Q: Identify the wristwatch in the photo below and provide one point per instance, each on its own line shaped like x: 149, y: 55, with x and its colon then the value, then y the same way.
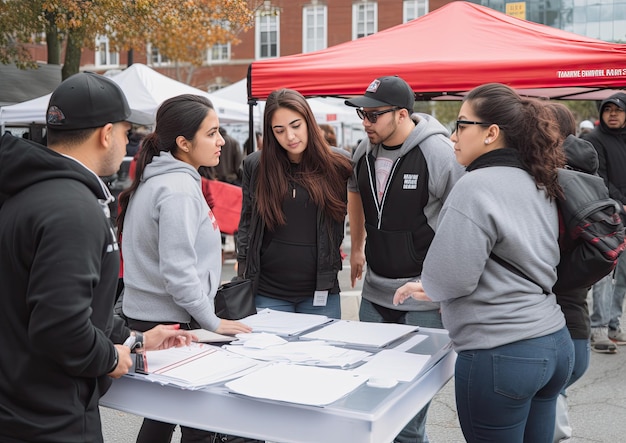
x: 134, y: 341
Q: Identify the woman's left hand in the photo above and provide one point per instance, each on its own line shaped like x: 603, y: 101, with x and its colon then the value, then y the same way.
x: 411, y: 289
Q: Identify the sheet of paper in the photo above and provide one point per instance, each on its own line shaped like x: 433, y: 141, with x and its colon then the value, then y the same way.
x: 307, y: 385
x: 389, y: 363
x: 283, y: 323
x: 358, y: 333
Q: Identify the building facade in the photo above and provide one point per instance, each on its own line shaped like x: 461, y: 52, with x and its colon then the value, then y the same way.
x: 286, y: 27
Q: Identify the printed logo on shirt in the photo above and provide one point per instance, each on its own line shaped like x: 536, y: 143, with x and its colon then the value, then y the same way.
x: 216, y: 227
x: 410, y: 181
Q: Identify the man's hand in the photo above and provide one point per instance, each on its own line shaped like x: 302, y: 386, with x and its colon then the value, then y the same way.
x: 124, y: 362
x: 357, y: 263
x: 167, y: 336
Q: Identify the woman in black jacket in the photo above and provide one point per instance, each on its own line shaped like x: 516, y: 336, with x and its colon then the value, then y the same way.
x: 293, y: 212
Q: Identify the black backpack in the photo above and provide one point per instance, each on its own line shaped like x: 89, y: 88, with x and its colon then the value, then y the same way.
x: 592, y: 235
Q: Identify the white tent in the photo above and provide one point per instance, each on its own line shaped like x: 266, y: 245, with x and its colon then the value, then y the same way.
x: 326, y: 110
x: 330, y: 110
x: 145, y: 90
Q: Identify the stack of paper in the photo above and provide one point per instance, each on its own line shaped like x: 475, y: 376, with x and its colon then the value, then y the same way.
x: 196, y: 366
x: 317, y: 353
x: 283, y: 323
x: 366, y: 334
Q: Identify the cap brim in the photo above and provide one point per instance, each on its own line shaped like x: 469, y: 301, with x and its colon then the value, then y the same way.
x: 140, y: 118
x: 365, y: 102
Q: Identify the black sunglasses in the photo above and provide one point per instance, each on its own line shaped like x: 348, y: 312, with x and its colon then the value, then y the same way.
x: 373, y: 116
x: 468, y: 122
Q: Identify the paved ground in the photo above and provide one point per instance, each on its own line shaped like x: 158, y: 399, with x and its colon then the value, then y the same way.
x: 597, y: 401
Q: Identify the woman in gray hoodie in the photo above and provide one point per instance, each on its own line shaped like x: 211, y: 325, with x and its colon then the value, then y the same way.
x: 515, y: 354
x: 171, y: 242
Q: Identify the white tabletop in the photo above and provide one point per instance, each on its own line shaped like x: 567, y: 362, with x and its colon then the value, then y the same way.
x: 368, y: 414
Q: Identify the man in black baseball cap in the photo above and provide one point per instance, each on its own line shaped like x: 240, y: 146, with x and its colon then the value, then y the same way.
x: 386, y: 91
x: 60, y: 344
x: 403, y: 170
x: 88, y: 100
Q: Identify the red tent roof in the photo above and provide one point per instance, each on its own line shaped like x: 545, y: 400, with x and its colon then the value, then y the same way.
x: 449, y: 51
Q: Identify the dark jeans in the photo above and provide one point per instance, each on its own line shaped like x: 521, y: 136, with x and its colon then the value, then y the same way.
x: 509, y: 393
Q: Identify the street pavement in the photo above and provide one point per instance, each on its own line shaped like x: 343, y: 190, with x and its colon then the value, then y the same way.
x: 597, y: 402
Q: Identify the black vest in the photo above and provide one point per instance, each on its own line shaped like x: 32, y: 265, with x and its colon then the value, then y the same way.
x: 398, y: 234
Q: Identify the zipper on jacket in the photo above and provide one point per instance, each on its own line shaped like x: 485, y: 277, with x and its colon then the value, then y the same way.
x: 379, y: 206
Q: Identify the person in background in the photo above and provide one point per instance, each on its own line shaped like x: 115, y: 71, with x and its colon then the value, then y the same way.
x: 60, y: 344
x: 228, y: 170
x: 329, y: 134
x: 258, y: 140
x: 581, y: 156
x: 585, y: 127
x: 170, y: 239
x: 515, y: 354
x: 403, y: 172
x: 293, y: 214
x: 609, y: 140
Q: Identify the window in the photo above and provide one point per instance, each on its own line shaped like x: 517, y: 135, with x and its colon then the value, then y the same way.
x: 267, y: 32
x: 104, y: 56
x: 314, y: 28
x: 412, y: 9
x: 218, y: 53
x: 364, y: 19
x: 155, y: 58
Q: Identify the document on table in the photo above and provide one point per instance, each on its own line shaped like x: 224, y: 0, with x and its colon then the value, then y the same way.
x: 316, y: 353
x: 195, y: 366
x: 283, y: 323
x: 306, y: 385
x: 398, y: 365
x: 358, y: 333
x: 205, y: 336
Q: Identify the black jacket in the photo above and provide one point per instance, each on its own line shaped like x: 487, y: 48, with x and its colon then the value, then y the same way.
x: 252, y: 227
x: 59, y: 263
x: 611, y: 147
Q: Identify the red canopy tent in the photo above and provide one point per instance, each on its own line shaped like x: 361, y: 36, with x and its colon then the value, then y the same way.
x: 450, y: 51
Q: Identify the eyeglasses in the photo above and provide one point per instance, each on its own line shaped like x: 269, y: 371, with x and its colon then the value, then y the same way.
x: 468, y: 122
x: 373, y: 116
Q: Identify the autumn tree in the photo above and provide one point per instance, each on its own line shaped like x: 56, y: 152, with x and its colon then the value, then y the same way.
x: 182, y: 30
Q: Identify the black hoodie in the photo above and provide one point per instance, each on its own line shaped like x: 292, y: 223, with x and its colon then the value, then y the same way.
x: 59, y: 263
x: 611, y: 147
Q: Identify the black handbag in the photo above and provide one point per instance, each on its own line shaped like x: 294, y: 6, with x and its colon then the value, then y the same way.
x: 235, y: 300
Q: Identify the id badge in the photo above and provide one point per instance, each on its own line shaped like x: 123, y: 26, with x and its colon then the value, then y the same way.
x: 320, y: 298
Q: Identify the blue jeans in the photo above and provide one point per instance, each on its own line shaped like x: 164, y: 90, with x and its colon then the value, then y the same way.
x: 415, y: 430
x: 608, y: 298
x: 331, y: 310
x: 509, y: 393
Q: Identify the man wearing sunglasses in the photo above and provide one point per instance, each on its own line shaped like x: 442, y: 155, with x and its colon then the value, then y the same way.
x: 403, y: 172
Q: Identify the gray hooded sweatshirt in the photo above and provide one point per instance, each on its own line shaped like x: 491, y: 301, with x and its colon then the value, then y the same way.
x: 171, y: 247
x: 443, y: 172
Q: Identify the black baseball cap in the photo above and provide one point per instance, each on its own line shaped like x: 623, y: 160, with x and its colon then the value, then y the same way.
x: 618, y: 99
x: 89, y: 100
x: 385, y: 91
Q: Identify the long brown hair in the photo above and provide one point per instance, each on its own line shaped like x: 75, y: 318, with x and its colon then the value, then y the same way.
x: 179, y: 115
x: 528, y: 126
x: 323, y: 172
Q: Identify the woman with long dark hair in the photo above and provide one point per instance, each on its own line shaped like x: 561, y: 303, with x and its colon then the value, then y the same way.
x: 293, y: 214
